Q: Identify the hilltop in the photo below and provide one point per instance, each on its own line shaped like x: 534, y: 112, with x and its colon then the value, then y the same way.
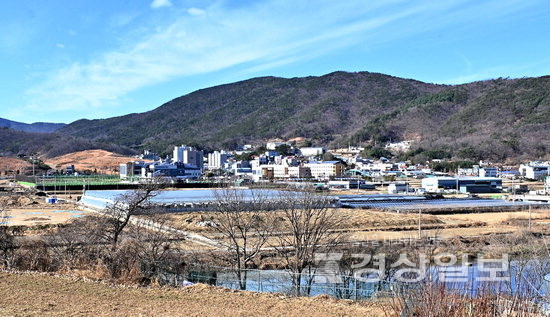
x: 43, y: 127
x: 44, y: 145
x: 496, y: 119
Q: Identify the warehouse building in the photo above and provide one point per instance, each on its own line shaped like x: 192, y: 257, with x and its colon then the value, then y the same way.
x: 463, y: 184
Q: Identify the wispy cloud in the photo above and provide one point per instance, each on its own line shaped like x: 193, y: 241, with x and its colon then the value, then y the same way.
x: 257, y: 37
x: 536, y: 68
x: 195, y: 11
x: 160, y: 4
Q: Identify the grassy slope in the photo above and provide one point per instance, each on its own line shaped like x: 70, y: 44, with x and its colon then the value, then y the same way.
x: 42, y: 295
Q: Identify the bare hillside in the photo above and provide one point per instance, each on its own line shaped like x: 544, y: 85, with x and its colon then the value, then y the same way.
x: 103, y: 161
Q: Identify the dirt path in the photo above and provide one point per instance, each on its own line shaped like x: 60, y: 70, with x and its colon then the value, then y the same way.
x: 42, y: 295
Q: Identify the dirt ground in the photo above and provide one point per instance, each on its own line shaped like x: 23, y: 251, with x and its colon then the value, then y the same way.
x: 100, y: 160
x: 31, y: 210
x: 24, y: 294
x: 41, y: 216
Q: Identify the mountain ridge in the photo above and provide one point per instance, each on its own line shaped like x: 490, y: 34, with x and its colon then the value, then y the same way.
x: 498, y: 119
x: 492, y: 119
x: 40, y: 127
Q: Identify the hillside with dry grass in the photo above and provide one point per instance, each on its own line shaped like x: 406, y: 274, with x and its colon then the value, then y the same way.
x: 102, y: 161
x: 10, y: 165
x: 46, y: 295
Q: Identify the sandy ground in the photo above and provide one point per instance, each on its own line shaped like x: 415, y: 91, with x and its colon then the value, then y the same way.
x: 43, y: 295
x: 100, y: 160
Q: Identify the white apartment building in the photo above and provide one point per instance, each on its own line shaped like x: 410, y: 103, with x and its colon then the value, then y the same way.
x: 217, y: 160
x: 312, y: 151
x: 188, y: 155
x: 535, y: 170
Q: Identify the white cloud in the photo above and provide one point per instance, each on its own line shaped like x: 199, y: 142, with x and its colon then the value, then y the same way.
x: 60, y: 45
x: 255, y: 38
x: 161, y: 4
x: 195, y: 11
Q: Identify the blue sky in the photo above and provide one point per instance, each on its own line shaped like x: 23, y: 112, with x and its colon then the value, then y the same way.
x: 65, y: 60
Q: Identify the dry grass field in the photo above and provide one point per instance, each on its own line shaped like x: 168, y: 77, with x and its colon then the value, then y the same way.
x: 24, y: 294
x: 366, y: 225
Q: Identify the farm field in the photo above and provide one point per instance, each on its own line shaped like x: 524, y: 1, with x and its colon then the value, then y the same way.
x: 365, y: 225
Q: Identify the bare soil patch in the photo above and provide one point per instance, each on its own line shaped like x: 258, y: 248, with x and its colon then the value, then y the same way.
x: 100, y: 160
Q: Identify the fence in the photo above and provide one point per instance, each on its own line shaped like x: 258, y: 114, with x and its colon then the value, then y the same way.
x: 276, y: 281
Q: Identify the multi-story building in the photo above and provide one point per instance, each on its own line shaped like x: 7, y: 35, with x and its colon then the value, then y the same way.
x: 488, y: 172
x: 312, y: 151
x: 217, y: 160
x: 171, y: 170
x: 188, y: 155
x: 131, y: 169
x: 325, y: 169
x: 535, y: 170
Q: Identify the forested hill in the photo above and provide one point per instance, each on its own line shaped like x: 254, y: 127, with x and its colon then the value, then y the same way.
x: 43, y: 127
x: 495, y: 119
x: 45, y: 145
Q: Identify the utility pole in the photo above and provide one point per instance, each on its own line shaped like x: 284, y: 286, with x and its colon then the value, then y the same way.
x: 419, y: 223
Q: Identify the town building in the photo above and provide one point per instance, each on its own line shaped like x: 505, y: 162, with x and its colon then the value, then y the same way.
x: 241, y: 168
x: 188, y: 155
x: 488, y: 172
x: 176, y: 170
x: 217, y: 160
x: 535, y: 170
x: 325, y: 169
x: 463, y: 184
x: 312, y: 151
x: 398, y: 188
x: 131, y: 169
x: 273, y: 145
x: 350, y: 184
x: 402, y: 146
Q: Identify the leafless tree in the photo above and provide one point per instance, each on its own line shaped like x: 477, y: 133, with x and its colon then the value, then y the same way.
x: 243, y: 218
x: 308, y: 226
x: 155, y: 249
x: 126, y: 206
x: 78, y: 243
x: 119, y: 216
